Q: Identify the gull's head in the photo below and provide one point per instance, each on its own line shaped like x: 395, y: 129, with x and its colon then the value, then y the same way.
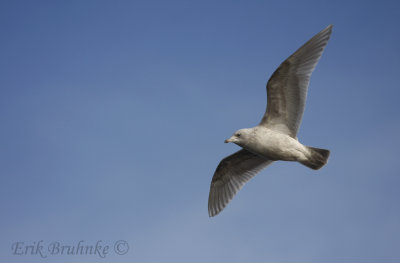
x: 239, y: 137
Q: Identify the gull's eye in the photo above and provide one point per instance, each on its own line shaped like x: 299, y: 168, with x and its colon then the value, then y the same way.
x: 238, y: 135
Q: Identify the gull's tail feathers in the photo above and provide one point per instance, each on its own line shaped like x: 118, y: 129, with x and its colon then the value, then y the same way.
x: 317, y: 159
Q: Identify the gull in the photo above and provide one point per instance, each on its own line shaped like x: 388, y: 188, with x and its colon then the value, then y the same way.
x: 275, y: 137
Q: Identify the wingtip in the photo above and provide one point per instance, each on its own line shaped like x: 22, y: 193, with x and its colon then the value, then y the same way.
x: 326, y: 32
x: 214, y: 208
x: 212, y: 213
x: 329, y: 28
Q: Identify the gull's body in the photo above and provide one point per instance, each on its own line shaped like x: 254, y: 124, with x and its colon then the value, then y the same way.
x: 275, y: 138
x: 273, y: 145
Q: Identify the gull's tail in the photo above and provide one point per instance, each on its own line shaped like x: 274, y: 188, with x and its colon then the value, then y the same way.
x: 317, y: 159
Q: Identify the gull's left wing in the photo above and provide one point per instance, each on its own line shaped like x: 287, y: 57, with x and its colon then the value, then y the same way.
x: 287, y: 87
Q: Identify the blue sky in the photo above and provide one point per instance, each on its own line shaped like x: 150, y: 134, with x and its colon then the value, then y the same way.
x: 114, y: 115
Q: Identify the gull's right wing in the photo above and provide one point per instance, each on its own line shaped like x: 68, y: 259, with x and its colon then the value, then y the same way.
x: 230, y: 176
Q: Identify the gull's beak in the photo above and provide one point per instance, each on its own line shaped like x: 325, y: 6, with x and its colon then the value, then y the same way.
x: 228, y: 140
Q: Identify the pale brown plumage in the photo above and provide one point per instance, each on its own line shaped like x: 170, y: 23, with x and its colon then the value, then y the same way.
x: 286, y: 96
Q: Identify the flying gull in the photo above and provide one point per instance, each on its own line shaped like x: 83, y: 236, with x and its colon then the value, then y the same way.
x: 274, y: 138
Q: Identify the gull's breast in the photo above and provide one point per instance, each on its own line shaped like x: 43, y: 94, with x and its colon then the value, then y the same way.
x: 276, y: 145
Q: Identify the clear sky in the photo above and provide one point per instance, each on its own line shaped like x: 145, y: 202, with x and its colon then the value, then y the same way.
x: 113, y: 116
